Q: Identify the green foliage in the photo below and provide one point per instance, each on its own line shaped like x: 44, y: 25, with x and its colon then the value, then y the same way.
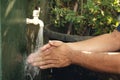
x: 97, y: 15
x: 63, y: 16
x: 102, y: 14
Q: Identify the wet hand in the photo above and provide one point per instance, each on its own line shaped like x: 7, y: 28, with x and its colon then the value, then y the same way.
x: 54, y: 54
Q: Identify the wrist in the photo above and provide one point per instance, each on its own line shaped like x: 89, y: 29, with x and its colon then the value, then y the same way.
x: 70, y: 51
x: 73, y: 52
x: 76, y: 55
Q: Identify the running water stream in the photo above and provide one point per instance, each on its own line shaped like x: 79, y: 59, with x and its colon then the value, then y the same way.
x: 30, y: 71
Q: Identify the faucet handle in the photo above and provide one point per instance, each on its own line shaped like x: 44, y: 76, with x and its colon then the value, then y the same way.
x: 36, y: 12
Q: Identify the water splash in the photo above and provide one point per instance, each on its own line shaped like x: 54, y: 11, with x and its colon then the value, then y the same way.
x: 30, y: 71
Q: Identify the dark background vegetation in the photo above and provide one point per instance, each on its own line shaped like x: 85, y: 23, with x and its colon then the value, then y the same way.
x: 79, y: 17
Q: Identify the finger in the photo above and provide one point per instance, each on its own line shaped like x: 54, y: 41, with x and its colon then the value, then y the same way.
x: 37, y: 59
x: 43, y: 63
x: 45, y: 47
x: 55, y: 43
x: 40, y: 58
x: 45, y: 53
x: 49, y: 57
x: 31, y: 57
x: 48, y: 66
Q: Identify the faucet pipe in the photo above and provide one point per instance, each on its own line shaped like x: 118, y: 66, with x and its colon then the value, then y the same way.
x: 37, y: 21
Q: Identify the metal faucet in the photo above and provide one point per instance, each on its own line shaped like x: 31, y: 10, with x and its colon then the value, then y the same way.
x: 35, y: 19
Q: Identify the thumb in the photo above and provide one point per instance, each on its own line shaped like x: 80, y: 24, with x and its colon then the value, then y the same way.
x: 55, y: 43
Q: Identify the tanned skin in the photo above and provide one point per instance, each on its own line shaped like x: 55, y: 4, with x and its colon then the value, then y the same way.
x: 97, y: 54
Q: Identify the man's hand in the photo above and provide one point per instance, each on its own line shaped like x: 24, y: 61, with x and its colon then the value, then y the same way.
x: 54, y: 54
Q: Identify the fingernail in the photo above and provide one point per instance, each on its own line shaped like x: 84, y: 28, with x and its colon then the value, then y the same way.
x: 41, y: 67
x: 50, y: 41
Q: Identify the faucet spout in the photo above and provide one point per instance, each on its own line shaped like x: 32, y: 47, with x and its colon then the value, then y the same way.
x: 35, y: 19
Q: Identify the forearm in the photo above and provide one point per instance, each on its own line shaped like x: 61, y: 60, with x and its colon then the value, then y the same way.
x: 106, y: 42
x: 105, y: 62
